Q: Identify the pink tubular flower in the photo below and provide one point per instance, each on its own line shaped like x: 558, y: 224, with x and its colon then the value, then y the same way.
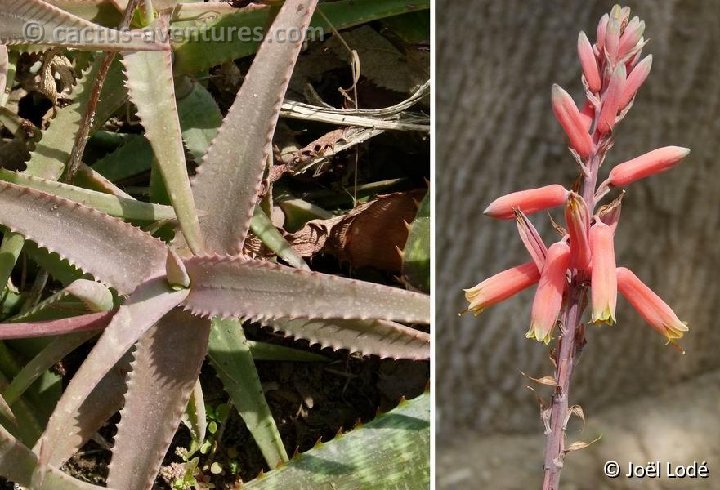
x: 604, y: 280
x: 650, y: 163
x: 548, y: 298
x: 589, y: 63
x: 635, y: 80
x: 528, y: 201
x: 653, y: 309
x: 501, y: 286
x: 577, y: 219
x: 611, y: 100
x: 568, y: 115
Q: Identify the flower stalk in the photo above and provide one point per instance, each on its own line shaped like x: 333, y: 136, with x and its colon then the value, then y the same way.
x: 581, y: 265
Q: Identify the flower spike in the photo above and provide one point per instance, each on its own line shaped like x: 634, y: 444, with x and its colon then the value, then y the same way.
x: 528, y: 201
x: 650, y: 163
x: 653, y: 309
x: 548, y: 298
x: 501, y: 286
x: 568, y: 115
x: 604, y: 281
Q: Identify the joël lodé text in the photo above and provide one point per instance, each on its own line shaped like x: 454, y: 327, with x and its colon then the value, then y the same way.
x: 660, y: 469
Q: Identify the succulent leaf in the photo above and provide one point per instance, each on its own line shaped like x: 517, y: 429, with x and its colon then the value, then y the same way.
x: 16, y: 15
x: 392, y: 451
x: 146, y: 306
x: 234, y: 163
x: 47, y: 328
x: 121, y: 207
x: 20, y: 465
x: 230, y: 355
x: 166, y: 365
x: 115, y: 252
x: 244, y: 288
x: 44, y: 360
x: 194, y: 54
x: 150, y: 86
x: 377, y: 337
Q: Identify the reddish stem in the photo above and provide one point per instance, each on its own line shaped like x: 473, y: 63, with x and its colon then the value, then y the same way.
x: 570, y: 336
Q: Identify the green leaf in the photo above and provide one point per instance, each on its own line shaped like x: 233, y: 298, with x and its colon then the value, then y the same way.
x: 122, y: 207
x: 134, y: 157
x: 392, y: 451
x: 201, y: 51
x: 416, y: 256
x: 53, y: 151
x: 230, y: 355
x: 44, y: 360
x: 199, y: 115
x: 150, y: 86
x: 264, y: 351
x: 266, y: 231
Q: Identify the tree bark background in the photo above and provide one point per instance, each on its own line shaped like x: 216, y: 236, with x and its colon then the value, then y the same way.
x: 496, y: 62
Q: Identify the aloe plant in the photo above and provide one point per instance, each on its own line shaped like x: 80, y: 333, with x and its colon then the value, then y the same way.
x: 171, y: 296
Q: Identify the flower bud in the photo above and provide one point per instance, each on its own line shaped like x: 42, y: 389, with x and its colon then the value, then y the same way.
x: 501, y: 286
x: 604, y: 280
x: 631, y: 36
x: 577, y: 219
x: 589, y: 63
x: 650, y: 163
x: 587, y: 114
x: 548, y: 298
x: 653, y: 309
x: 568, y: 115
x: 612, y: 40
x: 602, y: 32
x: 528, y: 201
x: 611, y: 100
x: 635, y: 80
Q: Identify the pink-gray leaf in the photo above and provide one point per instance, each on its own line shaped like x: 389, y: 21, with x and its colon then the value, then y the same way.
x: 146, y: 306
x: 63, y: 326
x: 236, y: 287
x: 167, y: 363
x: 37, y: 22
x: 228, y: 181
x: 20, y: 465
x: 379, y: 337
x: 103, y: 402
x: 113, y: 251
